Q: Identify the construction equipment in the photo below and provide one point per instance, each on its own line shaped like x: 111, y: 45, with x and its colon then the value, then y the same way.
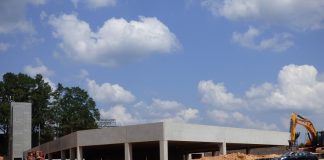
x: 35, y: 155
x: 315, y: 142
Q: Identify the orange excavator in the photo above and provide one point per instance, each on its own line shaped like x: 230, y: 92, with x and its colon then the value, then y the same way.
x: 315, y: 141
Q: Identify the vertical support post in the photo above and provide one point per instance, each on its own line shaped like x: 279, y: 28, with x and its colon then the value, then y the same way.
x: 247, y: 150
x: 222, y: 148
x: 72, y: 154
x: 163, y: 150
x: 128, y: 151
x: 214, y: 153
x: 63, y: 155
x: 79, y: 153
x: 49, y: 156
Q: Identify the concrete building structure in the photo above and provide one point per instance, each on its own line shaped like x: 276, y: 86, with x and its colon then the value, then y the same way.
x: 20, y: 129
x: 164, y: 141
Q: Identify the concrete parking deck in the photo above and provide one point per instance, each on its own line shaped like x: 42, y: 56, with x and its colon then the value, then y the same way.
x: 162, y: 141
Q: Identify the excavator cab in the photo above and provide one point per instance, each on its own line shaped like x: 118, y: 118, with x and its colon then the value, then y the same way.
x: 315, y: 142
x: 320, y: 139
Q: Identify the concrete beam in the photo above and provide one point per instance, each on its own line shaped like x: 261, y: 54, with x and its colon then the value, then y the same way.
x: 79, y: 153
x: 222, y: 148
x: 164, y: 150
x: 128, y: 151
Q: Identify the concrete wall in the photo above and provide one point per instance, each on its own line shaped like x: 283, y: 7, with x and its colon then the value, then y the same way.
x: 165, y: 132
x: 203, y: 133
x: 21, y: 116
x: 115, y: 135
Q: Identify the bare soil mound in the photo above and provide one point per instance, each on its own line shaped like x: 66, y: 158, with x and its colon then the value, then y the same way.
x: 239, y: 156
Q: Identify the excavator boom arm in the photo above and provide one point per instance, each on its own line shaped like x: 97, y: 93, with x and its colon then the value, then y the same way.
x: 297, y: 119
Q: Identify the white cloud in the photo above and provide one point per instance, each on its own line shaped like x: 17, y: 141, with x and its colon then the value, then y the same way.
x: 277, y: 43
x: 93, y: 4
x: 235, y: 118
x: 217, y: 96
x: 37, y: 2
x: 298, y: 88
x: 260, y: 91
x: 115, y: 42
x: 75, y: 3
x: 183, y: 116
x: 109, y: 93
x: 119, y: 113
x: 165, y: 104
x: 188, y: 114
x: 13, y: 15
x: 248, y: 122
x: 43, y: 15
x: 100, y: 3
x: 40, y: 68
x: 218, y: 116
x: 83, y: 74
x: 4, y: 47
x: 165, y: 110
x: 299, y: 14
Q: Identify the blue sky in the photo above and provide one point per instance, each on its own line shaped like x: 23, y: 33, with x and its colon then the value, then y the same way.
x: 218, y: 62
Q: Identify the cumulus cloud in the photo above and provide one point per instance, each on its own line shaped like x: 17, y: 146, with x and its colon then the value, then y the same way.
x: 13, y: 15
x: 298, y: 14
x: 277, y: 43
x: 83, y: 74
x: 165, y: 104
x: 120, y: 114
x: 159, y: 110
x: 42, y: 69
x: 95, y: 3
x: 165, y: 110
x: 216, y: 95
x: 234, y: 118
x: 37, y: 2
x: 109, y: 93
x: 100, y: 3
x: 4, y: 46
x: 298, y: 87
x: 117, y: 41
x: 38, y: 69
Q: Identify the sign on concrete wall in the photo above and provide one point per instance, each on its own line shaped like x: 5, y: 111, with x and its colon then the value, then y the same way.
x: 21, y: 123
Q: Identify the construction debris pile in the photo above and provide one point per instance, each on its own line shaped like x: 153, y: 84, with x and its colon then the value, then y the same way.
x: 240, y: 156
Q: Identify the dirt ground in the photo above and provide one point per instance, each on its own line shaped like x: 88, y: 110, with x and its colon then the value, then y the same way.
x: 239, y: 156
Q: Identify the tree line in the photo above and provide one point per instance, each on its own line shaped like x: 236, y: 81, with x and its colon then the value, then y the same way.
x: 55, y: 113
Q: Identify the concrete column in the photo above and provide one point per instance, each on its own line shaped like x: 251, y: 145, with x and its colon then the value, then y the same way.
x: 222, y: 148
x: 128, y: 151
x: 164, y: 150
x: 49, y: 156
x: 72, y: 154
x: 63, y: 155
x: 188, y: 156
x: 79, y: 153
x: 247, y: 150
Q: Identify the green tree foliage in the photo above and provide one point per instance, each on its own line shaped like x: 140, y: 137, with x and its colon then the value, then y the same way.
x: 56, y: 113
x: 73, y: 110
x: 22, y: 88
